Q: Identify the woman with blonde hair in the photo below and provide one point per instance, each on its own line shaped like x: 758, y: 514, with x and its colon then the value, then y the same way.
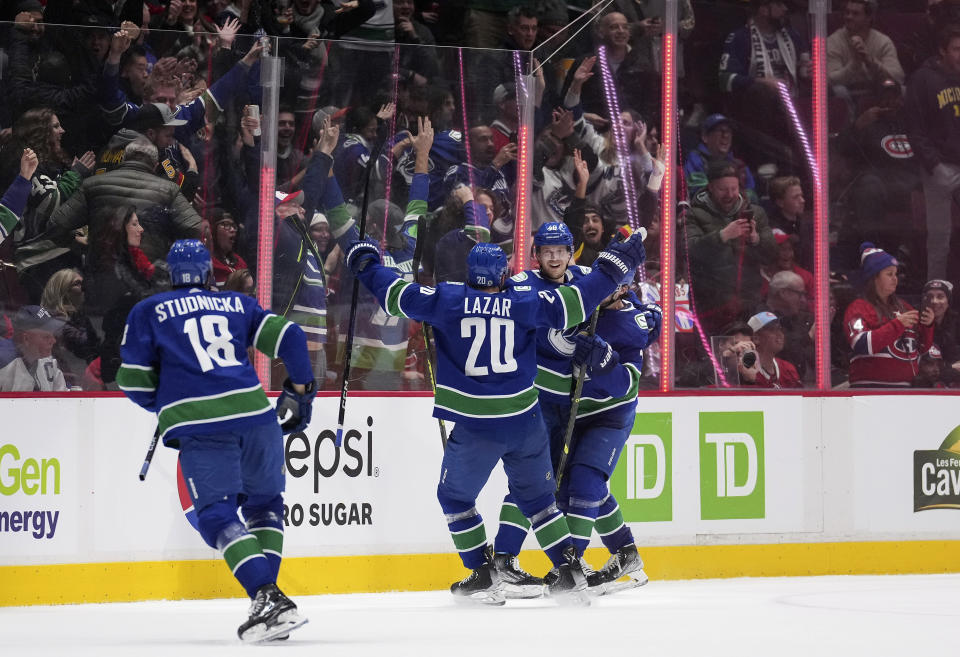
x: 78, y: 342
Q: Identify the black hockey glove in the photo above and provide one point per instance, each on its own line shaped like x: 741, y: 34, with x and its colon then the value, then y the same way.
x: 293, y: 409
x: 362, y: 253
x: 621, y: 257
x: 595, y: 353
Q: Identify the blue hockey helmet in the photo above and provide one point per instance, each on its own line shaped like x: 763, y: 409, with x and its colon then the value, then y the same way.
x: 486, y: 265
x: 553, y: 233
x: 189, y: 263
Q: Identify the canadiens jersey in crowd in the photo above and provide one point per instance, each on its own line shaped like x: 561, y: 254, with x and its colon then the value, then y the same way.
x: 554, y: 346
x: 885, y: 352
x: 185, y: 358
x: 485, y: 342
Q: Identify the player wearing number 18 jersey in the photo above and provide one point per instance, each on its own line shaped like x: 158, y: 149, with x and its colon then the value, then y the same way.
x: 486, y: 366
x: 185, y: 358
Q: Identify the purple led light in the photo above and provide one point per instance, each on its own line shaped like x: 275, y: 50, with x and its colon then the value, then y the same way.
x: 619, y: 136
x: 801, y: 133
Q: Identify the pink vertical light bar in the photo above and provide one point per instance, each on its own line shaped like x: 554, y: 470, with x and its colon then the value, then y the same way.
x: 521, y: 218
x: 668, y: 135
x: 463, y: 113
x: 821, y: 258
x: 389, y: 148
x: 268, y: 177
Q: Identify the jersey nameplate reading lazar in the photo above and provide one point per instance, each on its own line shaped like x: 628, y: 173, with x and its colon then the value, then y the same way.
x: 185, y: 305
x: 492, y: 305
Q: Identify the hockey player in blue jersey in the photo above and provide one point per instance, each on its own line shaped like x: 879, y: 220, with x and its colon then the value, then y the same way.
x: 185, y: 358
x: 553, y: 244
x: 553, y: 248
x: 486, y: 366
x: 605, y: 416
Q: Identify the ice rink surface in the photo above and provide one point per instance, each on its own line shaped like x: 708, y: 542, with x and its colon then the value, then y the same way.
x: 901, y: 616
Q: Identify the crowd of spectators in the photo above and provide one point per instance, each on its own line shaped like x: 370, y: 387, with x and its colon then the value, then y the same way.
x: 127, y: 124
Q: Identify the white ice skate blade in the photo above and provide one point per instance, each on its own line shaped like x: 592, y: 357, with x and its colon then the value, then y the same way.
x: 286, y: 623
x: 528, y: 592
x: 634, y: 580
x: 485, y: 598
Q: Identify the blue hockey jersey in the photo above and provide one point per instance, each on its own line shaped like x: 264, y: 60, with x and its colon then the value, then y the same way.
x: 554, y: 346
x: 626, y: 331
x: 486, y: 343
x: 184, y: 357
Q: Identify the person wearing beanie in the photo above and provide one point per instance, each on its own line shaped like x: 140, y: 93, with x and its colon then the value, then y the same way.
x: 937, y: 295
x: 886, y: 334
x: 223, y: 246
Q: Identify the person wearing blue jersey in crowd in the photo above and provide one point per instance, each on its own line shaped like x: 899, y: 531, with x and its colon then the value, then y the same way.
x: 486, y: 366
x: 380, y: 340
x: 613, y: 359
x: 185, y: 358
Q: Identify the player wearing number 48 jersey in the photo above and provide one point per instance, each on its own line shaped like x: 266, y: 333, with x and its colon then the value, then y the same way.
x: 185, y: 358
x: 486, y: 366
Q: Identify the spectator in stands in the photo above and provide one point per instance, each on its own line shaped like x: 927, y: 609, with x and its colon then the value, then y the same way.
x: 729, y: 239
x: 289, y: 157
x: 770, y: 371
x: 786, y: 261
x: 364, y: 130
x: 886, y: 334
x: 488, y: 169
x: 716, y: 142
x: 764, y: 53
x: 166, y: 213
x: 54, y: 180
x: 634, y: 74
x: 419, y: 65
x: 937, y: 295
x: 452, y: 248
x: 223, y: 246
x: 591, y: 231
x: 756, y: 60
x: 887, y: 173
x: 858, y: 56
x: 788, y: 300
x: 933, y: 124
x: 931, y: 370
x: 35, y: 369
x: 14, y: 199
x: 78, y: 343
x: 241, y: 281
x: 118, y: 267
x: 485, y: 22
x: 787, y: 214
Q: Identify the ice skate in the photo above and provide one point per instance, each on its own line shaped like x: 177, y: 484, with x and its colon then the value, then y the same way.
x: 272, y: 616
x: 482, y: 586
x: 568, y: 583
x: 517, y: 583
x: 623, y: 571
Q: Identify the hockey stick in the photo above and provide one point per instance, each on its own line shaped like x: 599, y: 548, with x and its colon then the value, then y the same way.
x: 150, y: 450
x: 354, y: 296
x: 427, y: 330
x: 619, y: 236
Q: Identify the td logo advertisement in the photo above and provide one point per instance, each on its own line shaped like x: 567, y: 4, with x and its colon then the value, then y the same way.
x: 732, y: 477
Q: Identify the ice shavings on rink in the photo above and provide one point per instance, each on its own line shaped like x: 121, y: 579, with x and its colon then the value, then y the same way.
x: 789, y: 617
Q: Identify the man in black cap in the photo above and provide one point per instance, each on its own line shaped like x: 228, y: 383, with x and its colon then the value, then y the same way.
x: 35, y: 369
x: 729, y: 239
